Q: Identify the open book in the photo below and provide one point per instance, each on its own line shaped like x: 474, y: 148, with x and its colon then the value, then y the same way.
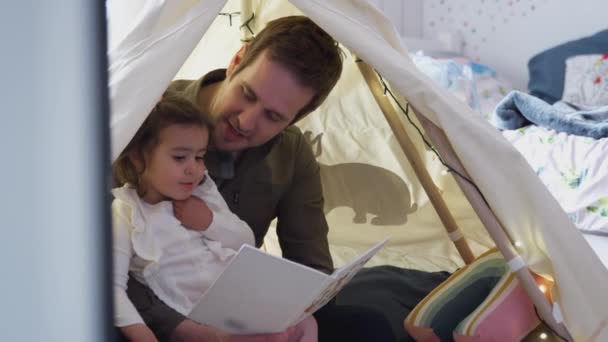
x: 262, y: 293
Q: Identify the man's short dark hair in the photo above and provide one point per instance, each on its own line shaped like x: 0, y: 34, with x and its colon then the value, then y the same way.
x: 303, y: 48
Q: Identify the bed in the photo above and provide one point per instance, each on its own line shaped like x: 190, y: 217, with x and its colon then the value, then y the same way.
x: 573, y: 167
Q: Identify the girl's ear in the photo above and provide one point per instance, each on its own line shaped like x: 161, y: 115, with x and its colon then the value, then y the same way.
x: 137, y: 159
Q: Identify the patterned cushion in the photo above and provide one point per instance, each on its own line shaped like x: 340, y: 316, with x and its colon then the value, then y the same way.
x: 547, y: 69
x: 586, y: 80
x: 473, y: 305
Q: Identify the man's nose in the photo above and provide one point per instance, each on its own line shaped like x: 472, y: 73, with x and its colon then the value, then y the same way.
x: 247, y: 119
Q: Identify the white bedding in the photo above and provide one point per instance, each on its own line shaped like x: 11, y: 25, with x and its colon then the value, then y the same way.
x: 574, y: 168
x: 600, y: 246
x: 475, y: 84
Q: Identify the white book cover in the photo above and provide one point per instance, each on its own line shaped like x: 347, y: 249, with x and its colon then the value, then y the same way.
x: 261, y: 293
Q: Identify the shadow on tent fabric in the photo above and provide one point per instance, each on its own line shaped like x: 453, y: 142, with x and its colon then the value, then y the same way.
x: 365, y: 188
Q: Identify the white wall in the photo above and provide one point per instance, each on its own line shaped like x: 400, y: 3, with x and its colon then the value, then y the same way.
x: 406, y: 15
x: 503, y: 34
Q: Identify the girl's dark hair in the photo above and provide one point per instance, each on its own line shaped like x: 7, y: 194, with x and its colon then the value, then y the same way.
x: 170, y: 110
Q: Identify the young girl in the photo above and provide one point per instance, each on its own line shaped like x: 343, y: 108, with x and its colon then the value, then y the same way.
x: 164, y: 163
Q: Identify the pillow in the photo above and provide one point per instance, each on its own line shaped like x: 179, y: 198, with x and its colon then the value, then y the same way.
x: 586, y: 80
x: 547, y: 69
x: 481, y: 302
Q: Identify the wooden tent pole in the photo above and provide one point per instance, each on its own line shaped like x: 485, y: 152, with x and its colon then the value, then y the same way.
x: 416, y: 162
x: 245, y: 15
x: 491, y: 223
x: 486, y: 215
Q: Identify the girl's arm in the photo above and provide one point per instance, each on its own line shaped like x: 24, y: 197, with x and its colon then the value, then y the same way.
x: 125, y: 313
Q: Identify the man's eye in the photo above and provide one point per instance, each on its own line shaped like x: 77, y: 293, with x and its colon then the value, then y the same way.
x: 273, y: 117
x: 248, y: 96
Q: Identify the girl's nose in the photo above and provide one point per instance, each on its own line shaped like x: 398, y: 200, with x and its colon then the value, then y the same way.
x: 191, y: 168
x: 195, y: 168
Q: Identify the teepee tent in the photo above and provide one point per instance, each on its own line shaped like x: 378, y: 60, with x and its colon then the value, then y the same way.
x: 371, y: 189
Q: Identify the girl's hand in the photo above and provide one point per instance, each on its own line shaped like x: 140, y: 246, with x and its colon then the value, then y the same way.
x: 305, y: 331
x: 138, y: 333
x: 193, y: 213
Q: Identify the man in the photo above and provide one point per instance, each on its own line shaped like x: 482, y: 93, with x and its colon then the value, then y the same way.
x: 265, y: 169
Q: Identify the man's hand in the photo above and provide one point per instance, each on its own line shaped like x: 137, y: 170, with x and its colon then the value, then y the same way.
x: 190, y: 331
x: 193, y: 213
x: 138, y: 333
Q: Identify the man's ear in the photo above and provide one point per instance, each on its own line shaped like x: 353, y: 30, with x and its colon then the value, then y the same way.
x: 236, y: 60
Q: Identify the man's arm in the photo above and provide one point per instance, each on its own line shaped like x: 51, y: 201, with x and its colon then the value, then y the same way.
x: 166, y: 323
x: 302, y: 228
x: 157, y: 315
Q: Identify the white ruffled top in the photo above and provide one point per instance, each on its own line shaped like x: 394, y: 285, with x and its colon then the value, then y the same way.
x: 178, y: 264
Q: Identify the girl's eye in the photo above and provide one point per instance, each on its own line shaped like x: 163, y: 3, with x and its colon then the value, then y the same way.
x: 179, y: 158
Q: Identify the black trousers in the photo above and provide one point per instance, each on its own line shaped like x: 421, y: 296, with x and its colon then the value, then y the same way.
x: 352, y: 323
x: 392, y: 291
x: 343, y: 323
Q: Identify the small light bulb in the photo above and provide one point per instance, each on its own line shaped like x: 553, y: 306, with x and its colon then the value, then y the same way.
x: 542, y: 288
x: 543, y: 336
x: 444, y: 172
x: 518, y: 244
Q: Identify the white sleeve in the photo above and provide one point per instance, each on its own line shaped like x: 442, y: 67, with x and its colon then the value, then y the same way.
x: 225, y: 226
x: 124, y: 311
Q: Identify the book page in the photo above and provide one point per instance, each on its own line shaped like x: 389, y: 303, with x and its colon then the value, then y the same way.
x: 257, y: 293
x: 340, y: 278
x: 262, y: 293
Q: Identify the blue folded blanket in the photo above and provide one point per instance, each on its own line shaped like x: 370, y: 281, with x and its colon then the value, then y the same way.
x: 518, y: 109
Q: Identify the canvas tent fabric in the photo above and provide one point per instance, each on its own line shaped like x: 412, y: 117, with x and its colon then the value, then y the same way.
x: 147, y: 54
